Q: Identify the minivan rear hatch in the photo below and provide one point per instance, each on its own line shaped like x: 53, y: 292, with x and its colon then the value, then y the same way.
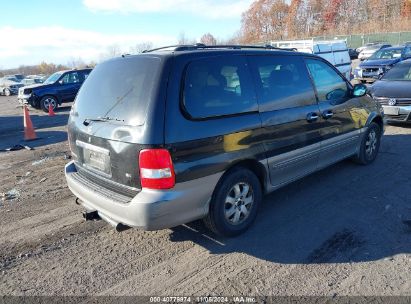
x: 107, y: 126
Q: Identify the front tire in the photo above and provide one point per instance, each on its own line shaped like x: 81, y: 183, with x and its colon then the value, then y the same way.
x: 370, y: 145
x: 46, y: 101
x: 7, y: 92
x: 234, y: 204
x: 35, y: 104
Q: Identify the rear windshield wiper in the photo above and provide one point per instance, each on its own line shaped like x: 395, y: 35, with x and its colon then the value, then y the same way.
x: 87, y: 121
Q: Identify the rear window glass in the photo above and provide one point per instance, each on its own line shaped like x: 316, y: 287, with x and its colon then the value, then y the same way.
x: 119, y: 89
x: 218, y: 86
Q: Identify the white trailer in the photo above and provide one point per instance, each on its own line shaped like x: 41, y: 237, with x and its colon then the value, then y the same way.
x: 335, y: 51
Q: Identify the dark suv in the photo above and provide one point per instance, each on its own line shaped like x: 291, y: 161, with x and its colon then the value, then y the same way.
x: 381, y: 62
x: 188, y: 132
x: 58, y: 88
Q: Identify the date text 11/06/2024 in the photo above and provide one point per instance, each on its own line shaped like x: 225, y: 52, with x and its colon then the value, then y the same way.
x: 206, y: 299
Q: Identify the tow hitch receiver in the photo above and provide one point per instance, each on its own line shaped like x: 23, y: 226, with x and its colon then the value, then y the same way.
x: 91, y: 216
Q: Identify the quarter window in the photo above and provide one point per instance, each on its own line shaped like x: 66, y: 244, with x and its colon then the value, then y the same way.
x: 282, y: 82
x: 330, y: 86
x: 218, y: 86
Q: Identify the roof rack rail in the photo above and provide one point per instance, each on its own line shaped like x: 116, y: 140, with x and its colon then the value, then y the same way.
x: 199, y: 46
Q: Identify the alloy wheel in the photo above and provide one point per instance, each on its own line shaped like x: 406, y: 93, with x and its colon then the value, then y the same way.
x: 238, y: 203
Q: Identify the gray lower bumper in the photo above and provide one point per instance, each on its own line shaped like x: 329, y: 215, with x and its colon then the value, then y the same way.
x: 401, y: 113
x: 149, y: 209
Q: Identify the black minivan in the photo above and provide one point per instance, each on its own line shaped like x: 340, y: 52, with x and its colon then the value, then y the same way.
x: 182, y: 133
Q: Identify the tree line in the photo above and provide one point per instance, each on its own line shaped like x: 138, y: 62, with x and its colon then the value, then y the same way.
x: 267, y: 20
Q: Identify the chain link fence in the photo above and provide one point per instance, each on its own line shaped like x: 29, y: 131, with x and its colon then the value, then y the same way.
x: 355, y: 41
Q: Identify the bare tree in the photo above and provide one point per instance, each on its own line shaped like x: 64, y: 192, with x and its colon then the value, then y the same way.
x: 76, y: 63
x: 183, y: 39
x: 111, y: 51
x: 142, y: 46
x: 208, y: 39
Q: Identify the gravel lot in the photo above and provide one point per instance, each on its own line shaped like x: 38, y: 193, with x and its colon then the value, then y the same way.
x: 340, y: 231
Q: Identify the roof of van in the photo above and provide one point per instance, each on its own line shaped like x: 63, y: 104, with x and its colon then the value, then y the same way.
x: 201, y: 46
x: 218, y: 49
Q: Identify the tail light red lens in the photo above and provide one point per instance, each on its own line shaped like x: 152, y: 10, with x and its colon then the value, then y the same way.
x: 156, y: 169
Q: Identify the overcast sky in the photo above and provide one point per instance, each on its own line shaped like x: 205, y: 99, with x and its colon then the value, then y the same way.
x: 58, y: 31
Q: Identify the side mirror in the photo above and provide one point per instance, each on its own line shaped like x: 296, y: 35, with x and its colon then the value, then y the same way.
x: 359, y: 90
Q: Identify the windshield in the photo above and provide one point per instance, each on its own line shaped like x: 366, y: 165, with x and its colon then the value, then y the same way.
x: 53, y: 78
x: 119, y: 90
x: 386, y: 54
x: 398, y: 72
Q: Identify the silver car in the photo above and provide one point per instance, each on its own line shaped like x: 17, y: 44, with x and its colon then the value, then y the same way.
x: 9, y: 87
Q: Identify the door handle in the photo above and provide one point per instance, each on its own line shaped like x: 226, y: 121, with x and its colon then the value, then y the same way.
x: 327, y: 114
x: 312, y: 117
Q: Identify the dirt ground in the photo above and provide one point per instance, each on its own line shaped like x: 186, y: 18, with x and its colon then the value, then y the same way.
x: 341, y: 231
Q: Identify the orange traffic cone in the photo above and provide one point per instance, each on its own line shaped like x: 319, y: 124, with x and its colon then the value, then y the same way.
x: 29, y: 133
x: 51, y: 111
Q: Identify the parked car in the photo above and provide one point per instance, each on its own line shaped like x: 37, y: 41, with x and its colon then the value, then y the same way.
x: 29, y: 81
x: 393, y: 92
x: 353, y: 53
x: 181, y: 133
x: 380, y: 62
x: 11, y: 78
x: 9, y: 87
x: 370, y: 50
x: 335, y: 51
x: 58, y: 88
x: 361, y: 48
x: 19, y: 77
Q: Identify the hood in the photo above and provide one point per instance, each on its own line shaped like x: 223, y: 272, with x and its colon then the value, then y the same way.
x: 378, y: 62
x: 38, y: 85
x: 391, y: 89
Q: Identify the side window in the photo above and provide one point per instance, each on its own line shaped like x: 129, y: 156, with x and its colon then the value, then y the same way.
x: 71, y: 77
x: 282, y: 82
x: 407, y: 52
x: 330, y: 86
x: 84, y: 76
x: 218, y: 86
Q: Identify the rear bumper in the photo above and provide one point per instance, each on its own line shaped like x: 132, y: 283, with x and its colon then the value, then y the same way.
x: 149, y: 209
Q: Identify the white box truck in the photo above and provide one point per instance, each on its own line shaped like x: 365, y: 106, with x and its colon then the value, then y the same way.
x: 335, y: 51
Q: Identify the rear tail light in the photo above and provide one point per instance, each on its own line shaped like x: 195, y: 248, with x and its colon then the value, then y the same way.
x: 156, y: 169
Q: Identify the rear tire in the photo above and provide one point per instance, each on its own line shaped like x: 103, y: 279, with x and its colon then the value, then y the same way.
x: 7, y: 92
x: 46, y: 101
x: 370, y: 145
x: 234, y: 204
